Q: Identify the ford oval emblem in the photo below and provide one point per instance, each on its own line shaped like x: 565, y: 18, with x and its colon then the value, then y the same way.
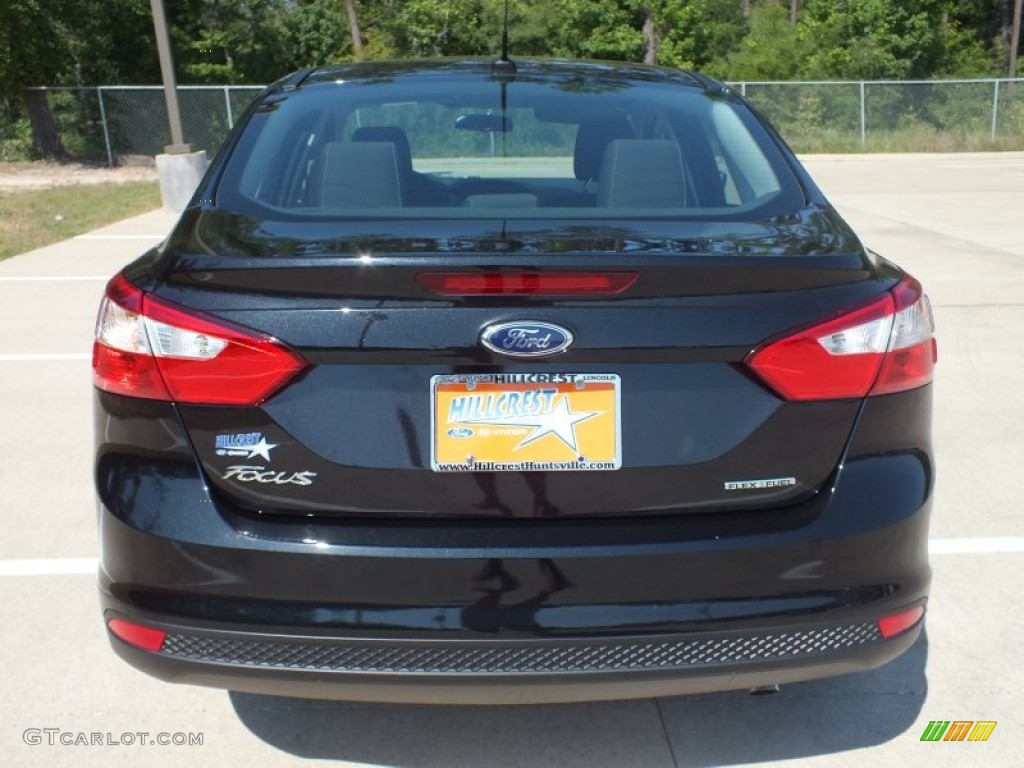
x: 526, y: 339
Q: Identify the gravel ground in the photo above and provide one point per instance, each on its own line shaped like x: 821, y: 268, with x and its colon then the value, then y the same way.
x: 42, y: 175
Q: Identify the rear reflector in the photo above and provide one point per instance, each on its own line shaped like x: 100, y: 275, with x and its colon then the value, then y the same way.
x: 526, y: 283
x: 149, y: 348
x: 146, y: 638
x: 898, y: 623
x: 884, y: 347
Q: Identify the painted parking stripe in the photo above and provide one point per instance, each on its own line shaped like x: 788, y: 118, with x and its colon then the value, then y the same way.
x: 119, y: 237
x: 46, y: 358
x: 48, y: 566
x: 59, y: 279
x: 976, y: 546
x: 63, y: 566
x: 978, y: 166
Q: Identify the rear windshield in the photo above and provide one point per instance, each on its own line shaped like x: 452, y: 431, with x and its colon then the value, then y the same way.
x: 459, y: 146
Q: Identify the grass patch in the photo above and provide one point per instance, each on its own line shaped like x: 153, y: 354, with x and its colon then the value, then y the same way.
x: 913, y: 139
x: 30, y: 219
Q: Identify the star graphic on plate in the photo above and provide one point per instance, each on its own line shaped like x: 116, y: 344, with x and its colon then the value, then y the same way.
x: 560, y: 421
x: 262, y: 448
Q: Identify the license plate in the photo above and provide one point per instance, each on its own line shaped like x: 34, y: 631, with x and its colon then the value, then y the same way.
x: 525, y: 422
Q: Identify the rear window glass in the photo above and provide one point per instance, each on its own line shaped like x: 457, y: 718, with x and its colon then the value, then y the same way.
x: 460, y: 146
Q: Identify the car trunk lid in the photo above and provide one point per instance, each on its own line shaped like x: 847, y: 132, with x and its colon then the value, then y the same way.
x: 365, y: 430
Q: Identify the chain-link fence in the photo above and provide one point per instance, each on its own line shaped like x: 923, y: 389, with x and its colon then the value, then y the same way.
x: 894, y: 116
x: 113, y: 123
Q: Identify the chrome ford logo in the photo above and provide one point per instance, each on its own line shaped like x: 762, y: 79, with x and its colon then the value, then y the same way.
x: 526, y: 339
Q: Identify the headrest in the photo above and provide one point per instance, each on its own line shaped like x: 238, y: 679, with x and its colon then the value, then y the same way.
x: 392, y: 133
x: 363, y: 175
x: 591, y: 139
x: 642, y: 173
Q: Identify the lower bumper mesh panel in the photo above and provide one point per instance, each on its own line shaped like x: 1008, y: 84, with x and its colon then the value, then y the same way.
x: 508, y: 658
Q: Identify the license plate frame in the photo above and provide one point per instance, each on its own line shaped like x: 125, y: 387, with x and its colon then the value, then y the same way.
x: 525, y: 422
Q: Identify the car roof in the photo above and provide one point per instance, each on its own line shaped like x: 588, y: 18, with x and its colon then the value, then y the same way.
x: 528, y: 69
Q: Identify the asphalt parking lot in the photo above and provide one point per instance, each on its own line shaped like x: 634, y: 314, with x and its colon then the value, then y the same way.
x: 954, y: 221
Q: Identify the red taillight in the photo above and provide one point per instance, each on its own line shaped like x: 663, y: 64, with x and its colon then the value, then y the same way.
x: 148, y: 348
x: 898, y: 623
x: 912, y: 354
x: 882, y: 348
x: 146, y: 638
x: 526, y: 283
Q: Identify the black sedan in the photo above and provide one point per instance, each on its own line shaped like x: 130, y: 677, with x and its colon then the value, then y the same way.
x: 473, y: 381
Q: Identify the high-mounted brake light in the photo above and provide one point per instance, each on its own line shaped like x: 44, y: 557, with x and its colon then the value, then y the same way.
x: 884, y: 347
x: 148, y: 348
x: 526, y: 283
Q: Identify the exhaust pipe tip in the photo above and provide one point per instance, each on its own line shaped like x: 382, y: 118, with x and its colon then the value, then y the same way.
x: 765, y: 690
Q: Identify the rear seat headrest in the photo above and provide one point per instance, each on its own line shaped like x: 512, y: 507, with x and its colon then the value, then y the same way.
x: 360, y: 175
x: 642, y: 173
x: 592, y: 137
x: 392, y: 133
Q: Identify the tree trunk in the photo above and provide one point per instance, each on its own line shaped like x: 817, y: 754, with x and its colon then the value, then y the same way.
x: 794, y: 6
x: 44, y: 130
x: 651, y: 39
x: 746, y: 8
x: 353, y: 26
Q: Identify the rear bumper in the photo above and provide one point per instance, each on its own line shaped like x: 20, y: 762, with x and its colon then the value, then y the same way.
x: 458, y: 624
x: 501, y: 672
x: 516, y: 610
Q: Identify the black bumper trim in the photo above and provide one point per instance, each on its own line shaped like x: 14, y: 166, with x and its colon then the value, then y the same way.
x: 807, y: 659
x: 537, y: 657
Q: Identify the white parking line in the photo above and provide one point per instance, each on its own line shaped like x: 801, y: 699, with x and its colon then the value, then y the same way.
x: 976, y: 546
x: 978, y: 166
x: 63, y: 566
x: 119, y: 237
x: 46, y: 358
x: 48, y: 566
x: 63, y: 279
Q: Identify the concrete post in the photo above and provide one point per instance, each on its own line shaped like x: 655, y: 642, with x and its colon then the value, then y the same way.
x: 163, y: 47
x: 179, y: 176
x: 179, y: 169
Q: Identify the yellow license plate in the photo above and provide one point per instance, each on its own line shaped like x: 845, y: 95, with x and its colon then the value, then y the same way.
x: 525, y: 422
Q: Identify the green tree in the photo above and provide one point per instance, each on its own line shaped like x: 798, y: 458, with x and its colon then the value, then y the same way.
x: 316, y: 34
x: 89, y: 42
x: 697, y: 34
x: 73, y: 42
x: 597, y: 29
x: 67, y: 42
x: 876, y: 39
x: 772, y: 49
x: 229, y: 41
x: 427, y: 28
